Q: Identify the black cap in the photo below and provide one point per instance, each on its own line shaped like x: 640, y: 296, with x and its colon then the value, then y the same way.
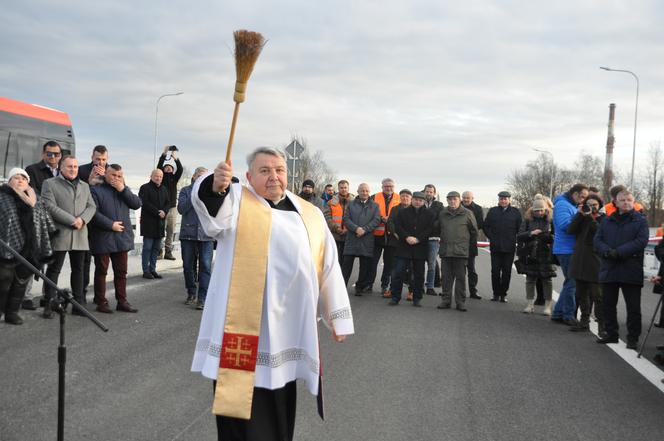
x: 406, y: 191
x: 504, y: 194
x: 308, y: 183
x: 419, y: 195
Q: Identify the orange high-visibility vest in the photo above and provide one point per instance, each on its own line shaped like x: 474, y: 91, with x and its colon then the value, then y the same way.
x: 610, y: 208
x: 379, y: 198
x: 336, y: 210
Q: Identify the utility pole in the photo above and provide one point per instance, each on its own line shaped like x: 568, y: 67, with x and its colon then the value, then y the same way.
x: 607, y: 182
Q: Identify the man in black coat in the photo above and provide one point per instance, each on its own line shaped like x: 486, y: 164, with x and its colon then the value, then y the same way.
x: 433, y: 267
x: 620, y: 241
x: 170, y: 164
x: 501, y: 226
x: 467, y: 202
x: 155, y: 199
x: 46, y: 168
x: 413, y: 226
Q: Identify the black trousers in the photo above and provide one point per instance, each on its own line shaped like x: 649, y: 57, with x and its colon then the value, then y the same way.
x: 399, y: 276
x: 363, y: 278
x: 587, y: 294
x: 340, y: 250
x: 272, y: 417
x: 632, y: 296
x: 76, y: 262
x: 472, y: 275
x: 380, y: 248
x: 13, y: 284
x: 501, y: 272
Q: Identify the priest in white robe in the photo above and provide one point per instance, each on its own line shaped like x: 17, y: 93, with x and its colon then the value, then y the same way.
x: 299, y: 279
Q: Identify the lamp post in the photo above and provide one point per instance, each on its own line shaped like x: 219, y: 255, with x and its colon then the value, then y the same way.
x: 553, y: 167
x: 156, y: 116
x: 636, y: 112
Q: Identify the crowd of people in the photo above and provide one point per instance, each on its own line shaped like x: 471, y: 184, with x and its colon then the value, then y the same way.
x: 55, y: 208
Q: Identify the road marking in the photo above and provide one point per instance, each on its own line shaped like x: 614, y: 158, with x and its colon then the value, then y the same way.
x: 643, y: 366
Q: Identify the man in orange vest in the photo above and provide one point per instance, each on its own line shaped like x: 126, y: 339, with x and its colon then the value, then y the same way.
x: 334, y: 213
x: 610, y: 208
x: 386, y: 200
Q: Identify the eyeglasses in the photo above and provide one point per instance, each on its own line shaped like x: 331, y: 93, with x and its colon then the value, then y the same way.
x: 53, y: 154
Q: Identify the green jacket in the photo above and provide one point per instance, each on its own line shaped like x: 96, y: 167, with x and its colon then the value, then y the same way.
x: 457, y: 229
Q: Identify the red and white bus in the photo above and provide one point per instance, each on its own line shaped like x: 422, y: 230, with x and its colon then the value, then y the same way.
x: 25, y: 128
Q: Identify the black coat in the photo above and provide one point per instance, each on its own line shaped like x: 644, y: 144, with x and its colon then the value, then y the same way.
x: 501, y: 227
x: 391, y: 238
x: 478, y: 212
x: 38, y: 172
x: 412, y: 222
x: 585, y: 262
x: 154, y: 199
x: 170, y: 180
x: 436, y: 207
x: 536, y: 251
x: 112, y: 206
x: 628, y: 235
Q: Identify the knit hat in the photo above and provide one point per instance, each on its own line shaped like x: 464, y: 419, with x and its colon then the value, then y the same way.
x: 18, y: 171
x: 539, y: 203
x: 308, y: 183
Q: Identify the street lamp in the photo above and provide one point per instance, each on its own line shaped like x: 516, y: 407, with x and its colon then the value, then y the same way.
x: 636, y: 112
x: 156, y: 115
x: 553, y: 167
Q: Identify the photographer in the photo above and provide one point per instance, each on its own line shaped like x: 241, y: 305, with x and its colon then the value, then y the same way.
x: 534, y: 252
x: 172, y: 168
x: 584, y: 266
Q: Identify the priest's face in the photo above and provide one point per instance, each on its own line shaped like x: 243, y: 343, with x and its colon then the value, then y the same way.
x: 268, y: 176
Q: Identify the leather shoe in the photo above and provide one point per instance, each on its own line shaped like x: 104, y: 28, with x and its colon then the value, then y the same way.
x: 461, y: 308
x: 148, y: 276
x: 13, y: 318
x: 570, y: 322
x: 156, y: 275
x: 104, y: 308
x: 475, y: 296
x: 606, y: 339
x: 27, y: 304
x: 494, y: 298
x: 503, y: 299
x: 442, y: 306
x: 125, y: 307
x: 431, y: 292
x: 393, y: 302
x: 169, y: 256
x: 632, y: 344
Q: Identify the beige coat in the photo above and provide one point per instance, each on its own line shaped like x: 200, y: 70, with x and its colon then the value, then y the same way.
x: 66, y: 201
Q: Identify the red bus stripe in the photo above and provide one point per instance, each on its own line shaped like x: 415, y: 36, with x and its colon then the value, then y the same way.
x: 33, y: 111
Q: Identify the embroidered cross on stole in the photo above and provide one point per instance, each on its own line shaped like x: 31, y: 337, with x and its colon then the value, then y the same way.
x: 239, y: 350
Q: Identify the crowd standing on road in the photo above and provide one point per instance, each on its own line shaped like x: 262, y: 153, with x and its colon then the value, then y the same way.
x: 55, y: 208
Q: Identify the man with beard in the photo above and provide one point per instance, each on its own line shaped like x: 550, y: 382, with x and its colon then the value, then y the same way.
x: 433, y: 268
x: 334, y: 215
x: 308, y: 194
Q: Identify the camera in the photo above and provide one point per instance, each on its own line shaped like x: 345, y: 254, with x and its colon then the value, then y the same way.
x: 172, y: 148
x: 585, y: 208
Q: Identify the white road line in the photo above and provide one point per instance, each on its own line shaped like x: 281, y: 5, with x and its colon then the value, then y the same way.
x: 643, y: 366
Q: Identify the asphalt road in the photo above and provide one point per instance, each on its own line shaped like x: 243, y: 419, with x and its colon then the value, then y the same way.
x: 492, y: 373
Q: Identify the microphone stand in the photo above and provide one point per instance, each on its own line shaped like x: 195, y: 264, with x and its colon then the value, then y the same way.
x: 59, y: 305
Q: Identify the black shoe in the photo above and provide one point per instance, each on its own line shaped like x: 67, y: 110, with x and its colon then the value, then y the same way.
x: 539, y: 302
x: 13, y: 318
x: 631, y: 344
x: 28, y: 305
x: 169, y: 256
x: 606, y: 339
x: 156, y: 275
x: 393, y: 302
x: 48, y: 312
x: 417, y: 304
x: 475, y: 296
x: 580, y: 327
x: 557, y: 319
x: 125, y: 307
x: 443, y: 306
x: 431, y: 292
x: 148, y: 276
x: 503, y: 299
x: 494, y: 298
x: 461, y: 308
x: 570, y: 322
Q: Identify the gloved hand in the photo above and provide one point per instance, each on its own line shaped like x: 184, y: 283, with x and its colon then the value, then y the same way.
x: 612, y: 254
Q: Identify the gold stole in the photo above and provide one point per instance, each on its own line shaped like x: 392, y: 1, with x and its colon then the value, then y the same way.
x: 239, y: 350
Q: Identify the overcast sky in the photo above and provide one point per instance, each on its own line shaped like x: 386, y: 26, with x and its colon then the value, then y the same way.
x: 450, y: 93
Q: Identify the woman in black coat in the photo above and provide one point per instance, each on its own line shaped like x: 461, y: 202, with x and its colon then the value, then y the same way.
x: 584, y: 266
x: 534, y: 252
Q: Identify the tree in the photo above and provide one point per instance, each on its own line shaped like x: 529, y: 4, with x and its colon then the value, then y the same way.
x: 311, y: 165
x: 653, y: 183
